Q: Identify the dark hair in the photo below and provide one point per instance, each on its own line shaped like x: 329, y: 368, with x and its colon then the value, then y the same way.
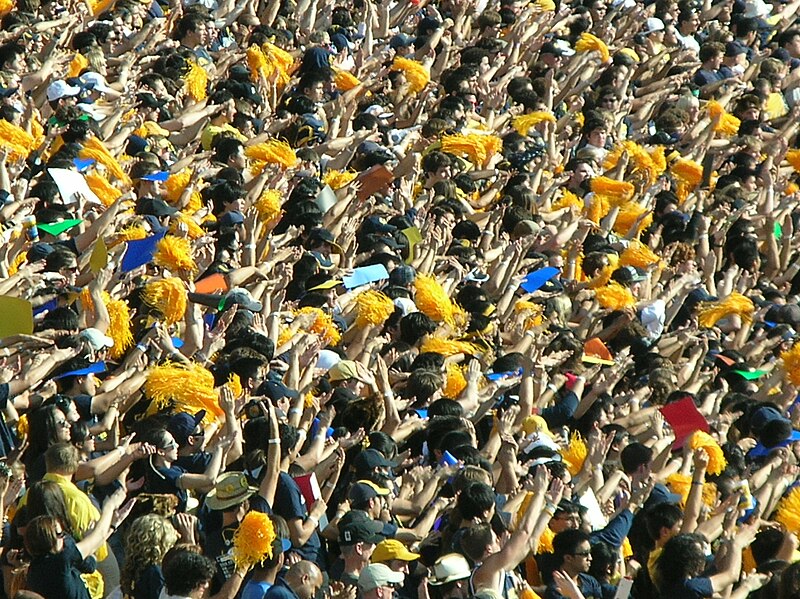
x: 45, y: 498
x: 185, y: 571
x: 423, y: 384
x: 766, y: 545
x: 414, y: 326
x: 681, y: 559
x: 567, y: 543
x: 40, y: 535
x: 475, y: 500
x: 663, y: 515
x: 634, y: 456
x: 225, y: 147
x: 603, y: 557
x: 42, y: 430
x: 475, y: 540
x: 444, y: 406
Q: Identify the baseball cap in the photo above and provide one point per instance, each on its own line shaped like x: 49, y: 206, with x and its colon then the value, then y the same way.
x: 661, y: 494
x: 95, y: 81
x: 369, y: 459
x: 231, y: 219
x: 156, y: 207
x: 401, y: 40
x: 61, y: 89
x: 390, y: 549
x: 348, y: 369
x: 734, y: 49
x: 241, y: 297
x: 182, y: 425
x: 321, y: 234
x: 654, y: 24
x: 449, y: 568
x: 364, y: 490
x: 402, y: 275
x: 230, y: 489
x: 276, y: 390
x: 96, y: 339
x: 378, y: 575
x: 551, y: 48
x: 361, y: 531
x: 628, y: 274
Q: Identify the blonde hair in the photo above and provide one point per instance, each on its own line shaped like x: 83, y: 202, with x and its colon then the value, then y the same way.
x: 148, y: 540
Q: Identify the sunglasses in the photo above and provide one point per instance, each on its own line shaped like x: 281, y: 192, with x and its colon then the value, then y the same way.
x: 582, y: 554
x: 61, y: 534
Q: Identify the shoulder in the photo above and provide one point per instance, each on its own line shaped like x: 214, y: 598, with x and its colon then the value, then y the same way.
x: 702, y: 586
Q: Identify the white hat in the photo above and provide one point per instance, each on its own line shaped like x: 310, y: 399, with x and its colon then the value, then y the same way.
x: 378, y: 575
x: 406, y: 305
x: 449, y: 568
x: 61, y: 89
x: 379, y: 112
x: 327, y: 359
x: 96, y: 82
x: 654, y: 24
x: 757, y: 8
x: 96, y: 339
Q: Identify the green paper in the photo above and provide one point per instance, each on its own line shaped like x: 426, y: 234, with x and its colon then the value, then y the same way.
x: 17, y: 316
x: 778, y: 231
x: 99, y: 257
x: 414, y: 237
x: 56, y: 229
x: 750, y: 376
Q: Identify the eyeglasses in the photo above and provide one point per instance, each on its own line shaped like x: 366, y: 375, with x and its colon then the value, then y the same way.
x: 63, y: 424
x: 200, y: 433
x: 582, y: 554
x: 173, y: 445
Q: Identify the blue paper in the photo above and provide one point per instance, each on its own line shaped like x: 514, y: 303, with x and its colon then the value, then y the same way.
x: 496, y: 376
x: 159, y: 176
x: 177, y: 342
x: 448, y: 459
x: 95, y: 368
x: 83, y: 163
x: 365, y: 275
x: 51, y: 305
x: 759, y: 451
x: 140, y: 252
x: 537, y: 278
x: 422, y: 413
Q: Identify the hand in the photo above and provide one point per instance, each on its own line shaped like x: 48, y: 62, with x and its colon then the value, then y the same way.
x: 319, y: 508
x: 565, y: 585
x: 186, y: 525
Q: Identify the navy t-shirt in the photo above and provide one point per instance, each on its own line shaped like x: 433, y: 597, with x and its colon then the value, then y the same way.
x: 588, y: 585
x: 280, y: 590
x: 290, y: 504
x: 196, y: 463
x: 693, y: 588
x: 149, y: 583
x: 165, y: 481
x: 56, y: 575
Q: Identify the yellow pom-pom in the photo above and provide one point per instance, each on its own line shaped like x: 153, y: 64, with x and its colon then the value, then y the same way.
x: 175, y: 184
x: 574, y: 454
x: 615, y: 192
x: 193, y: 230
x: 96, y: 150
x: 6, y: 6
x: 196, y: 82
x: 338, y: 179
x: 373, y: 308
x: 77, y: 64
x: 184, y: 387
x: 258, y: 64
x: 604, y: 276
x: 174, y: 254
x: 416, y: 73
x: 345, y: 81
x: 18, y: 261
x: 568, y: 200
x: 102, y: 188
x: 639, y: 255
x: 788, y: 511
x: 793, y: 158
x: 131, y: 233
x: 791, y: 188
x: 474, y: 146
x: 433, y: 301
x: 119, y: 328
x: 524, y: 122
x: 235, y: 385
x: 455, y: 382
x: 322, y: 325
x: 269, y: 205
x: 716, y: 458
x: 546, y: 5
x: 271, y: 152
x: 688, y: 174
x: 16, y: 140
x: 628, y: 214
x: 253, y: 540
x: 22, y: 426
x: 448, y: 347
x: 791, y: 364
x: 727, y: 124
x: 98, y: 7
x: 710, y: 313
x: 615, y: 297
x: 592, y: 43
x: 168, y: 297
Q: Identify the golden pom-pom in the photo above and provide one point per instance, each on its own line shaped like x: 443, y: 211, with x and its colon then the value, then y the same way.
x: 102, y: 188
x: 727, y: 124
x: 448, y: 347
x: 16, y: 140
x: 6, y: 6
x: 175, y: 185
x: 574, y: 454
x: 77, y: 64
x: 95, y: 149
x: 615, y: 192
x: 98, y: 7
x: 791, y: 364
x: 455, y: 382
x: 345, y: 80
x: 416, y: 73
x: 791, y: 188
x: 659, y: 159
x: 682, y: 485
x: 322, y: 325
x: 338, y: 179
x: 168, y: 297
x: 474, y: 146
x: 271, y: 152
x: 432, y: 300
x: 628, y: 214
x: 196, y: 82
x: 687, y: 171
x: 597, y: 209
x: 615, y: 297
x: 258, y: 64
x: 193, y: 230
x: 23, y: 426
x: 174, y: 254
x: 269, y: 205
x: 793, y: 158
x: 235, y: 385
x: 709, y: 313
x: 253, y: 540
x: 546, y: 542
x: 567, y: 200
x: 639, y: 255
x: 524, y: 122
x: 184, y: 387
x: 373, y: 307
x: 604, y: 276
x: 788, y: 511
x: 642, y: 164
x: 119, y: 328
x: 592, y: 43
x: 18, y: 261
x: 716, y: 459
x: 131, y: 233
x: 546, y: 5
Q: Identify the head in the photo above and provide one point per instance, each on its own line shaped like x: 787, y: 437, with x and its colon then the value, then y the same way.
x: 62, y: 458
x: 663, y: 522
x: 187, y: 573
x: 479, y: 542
x: 683, y: 557
x: 305, y: 579
x: 636, y: 459
x: 44, y: 535
x: 146, y: 543
x: 573, y: 551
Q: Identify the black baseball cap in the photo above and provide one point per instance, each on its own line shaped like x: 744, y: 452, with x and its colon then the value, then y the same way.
x: 361, y: 531
x: 626, y: 275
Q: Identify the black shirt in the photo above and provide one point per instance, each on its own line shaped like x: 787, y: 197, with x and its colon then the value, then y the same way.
x: 56, y: 575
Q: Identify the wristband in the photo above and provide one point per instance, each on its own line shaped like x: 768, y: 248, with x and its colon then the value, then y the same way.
x: 314, y: 519
x: 329, y: 485
x: 249, y: 246
x: 697, y: 482
x: 274, y: 442
x: 295, y: 410
x: 141, y: 347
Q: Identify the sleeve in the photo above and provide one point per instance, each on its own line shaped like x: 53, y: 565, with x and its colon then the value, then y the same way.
x: 615, y: 531
x: 558, y: 415
x: 701, y: 586
x: 552, y: 593
x: 4, y: 389
x: 287, y: 500
x: 71, y: 555
x: 259, y: 504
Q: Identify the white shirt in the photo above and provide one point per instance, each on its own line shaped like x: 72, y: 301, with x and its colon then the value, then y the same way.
x: 689, y: 42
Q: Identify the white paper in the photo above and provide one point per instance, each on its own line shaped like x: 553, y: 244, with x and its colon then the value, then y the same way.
x: 71, y: 183
x: 326, y: 198
x: 624, y: 588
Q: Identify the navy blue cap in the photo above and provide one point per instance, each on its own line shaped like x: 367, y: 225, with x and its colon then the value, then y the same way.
x: 231, y: 219
x: 182, y: 425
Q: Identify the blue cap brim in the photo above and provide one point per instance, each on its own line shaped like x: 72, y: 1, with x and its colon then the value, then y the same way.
x: 286, y: 544
x: 95, y: 368
x: 159, y: 176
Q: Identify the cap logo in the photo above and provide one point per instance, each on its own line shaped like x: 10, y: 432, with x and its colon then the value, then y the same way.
x: 348, y: 536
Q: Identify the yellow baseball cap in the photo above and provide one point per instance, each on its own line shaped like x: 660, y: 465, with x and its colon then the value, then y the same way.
x: 390, y: 549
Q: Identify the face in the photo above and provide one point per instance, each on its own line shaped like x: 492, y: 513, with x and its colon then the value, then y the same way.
x: 316, y: 92
x: 399, y: 565
x: 582, y: 172
x: 238, y: 160
x: 70, y: 272
x: 597, y: 138
x: 63, y: 432
x: 565, y: 521
x: 60, y: 535
x: 581, y: 559
x: 169, y: 448
x: 310, y: 586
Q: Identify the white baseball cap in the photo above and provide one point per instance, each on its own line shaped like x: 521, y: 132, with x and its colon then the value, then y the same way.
x: 61, y: 89
x: 96, y: 339
x: 654, y: 24
x: 95, y: 81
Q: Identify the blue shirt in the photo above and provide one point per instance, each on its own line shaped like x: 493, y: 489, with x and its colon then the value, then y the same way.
x: 693, y: 588
x: 290, y: 505
x: 56, y: 575
x: 255, y: 590
x: 588, y: 586
x: 280, y: 590
x: 165, y: 481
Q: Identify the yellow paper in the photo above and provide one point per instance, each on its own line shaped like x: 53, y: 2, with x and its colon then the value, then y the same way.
x: 17, y: 316
x: 99, y: 257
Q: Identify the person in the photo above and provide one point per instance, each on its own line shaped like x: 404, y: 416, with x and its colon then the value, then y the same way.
x: 573, y: 553
x: 147, y: 541
x: 450, y: 577
x: 265, y: 573
x: 187, y: 574
x: 302, y: 580
x: 378, y: 581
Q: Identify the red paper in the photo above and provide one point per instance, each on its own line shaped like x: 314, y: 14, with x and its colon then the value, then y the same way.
x: 684, y: 418
x: 309, y: 487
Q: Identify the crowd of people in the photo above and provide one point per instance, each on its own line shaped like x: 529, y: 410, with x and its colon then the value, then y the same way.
x: 420, y: 299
